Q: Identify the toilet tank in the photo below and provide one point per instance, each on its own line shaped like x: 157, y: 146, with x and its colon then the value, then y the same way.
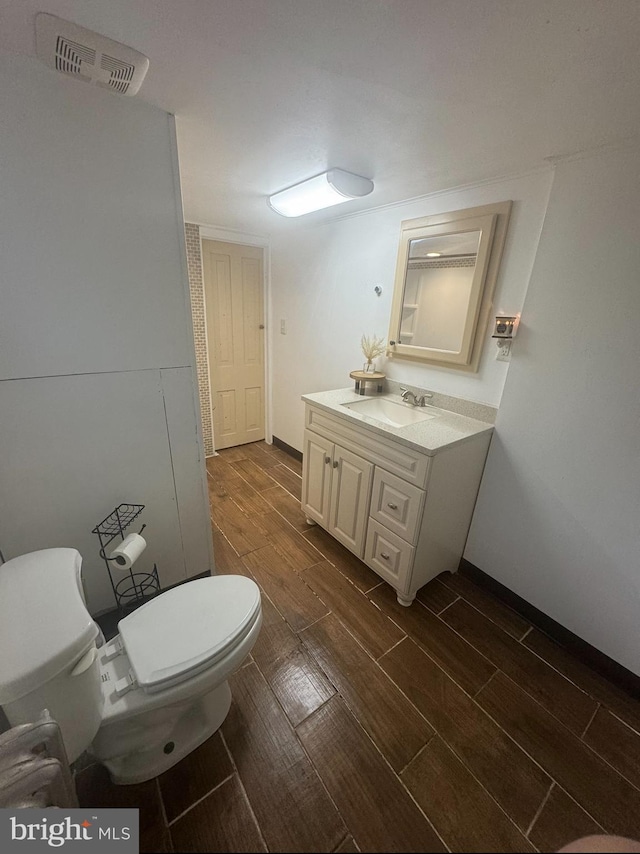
x: 48, y: 656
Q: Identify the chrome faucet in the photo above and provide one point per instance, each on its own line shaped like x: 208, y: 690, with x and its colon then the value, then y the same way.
x: 417, y: 400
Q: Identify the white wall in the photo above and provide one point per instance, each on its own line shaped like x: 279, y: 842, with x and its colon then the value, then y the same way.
x: 323, y: 280
x: 97, y: 399
x: 557, y: 517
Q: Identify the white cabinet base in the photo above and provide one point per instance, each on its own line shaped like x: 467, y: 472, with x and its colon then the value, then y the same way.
x: 404, y: 513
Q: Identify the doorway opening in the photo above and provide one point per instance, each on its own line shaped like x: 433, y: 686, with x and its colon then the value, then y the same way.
x: 233, y: 280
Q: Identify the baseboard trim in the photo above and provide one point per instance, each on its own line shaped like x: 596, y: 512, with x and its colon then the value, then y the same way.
x: 297, y: 455
x: 587, y: 654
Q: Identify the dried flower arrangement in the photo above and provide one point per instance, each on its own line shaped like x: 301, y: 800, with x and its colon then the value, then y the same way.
x: 372, y: 348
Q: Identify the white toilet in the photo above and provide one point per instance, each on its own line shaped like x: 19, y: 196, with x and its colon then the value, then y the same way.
x: 147, y: 698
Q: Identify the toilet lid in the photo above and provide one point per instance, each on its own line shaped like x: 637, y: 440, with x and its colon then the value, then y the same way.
x: 188, y: 628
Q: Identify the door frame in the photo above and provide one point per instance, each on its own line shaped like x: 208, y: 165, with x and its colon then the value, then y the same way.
x: 227, y: 235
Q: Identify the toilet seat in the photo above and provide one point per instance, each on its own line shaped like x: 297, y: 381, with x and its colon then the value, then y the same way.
x: 187, y: 629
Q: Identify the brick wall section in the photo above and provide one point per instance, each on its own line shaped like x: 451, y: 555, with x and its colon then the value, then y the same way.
x: 196, y: 289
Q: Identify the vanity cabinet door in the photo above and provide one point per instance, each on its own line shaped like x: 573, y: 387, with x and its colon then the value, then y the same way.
x: 349, y: 504
x: 316, y: 477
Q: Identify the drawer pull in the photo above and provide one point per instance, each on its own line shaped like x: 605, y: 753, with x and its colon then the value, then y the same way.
x: 392, y: 506
x: 384, y: 555
x: 327, y: 459
x: 335, y: 465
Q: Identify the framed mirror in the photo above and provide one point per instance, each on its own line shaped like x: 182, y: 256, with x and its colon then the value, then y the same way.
x: 445, y: 278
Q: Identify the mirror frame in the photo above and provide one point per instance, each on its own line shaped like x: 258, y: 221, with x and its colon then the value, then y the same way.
x: 492, y: 221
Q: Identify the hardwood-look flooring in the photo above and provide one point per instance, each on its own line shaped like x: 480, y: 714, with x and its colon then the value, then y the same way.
x: 360, y: 725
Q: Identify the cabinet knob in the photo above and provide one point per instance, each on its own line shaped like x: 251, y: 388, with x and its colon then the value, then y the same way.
x: 392, y: 506
x: 335, y: 464
x: 327, y: 459
x: 384, y: 555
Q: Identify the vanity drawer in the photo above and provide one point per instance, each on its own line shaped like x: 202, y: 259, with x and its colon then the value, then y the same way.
x: 396, y: 504
x: 388, y: 555
x: 407, y: 463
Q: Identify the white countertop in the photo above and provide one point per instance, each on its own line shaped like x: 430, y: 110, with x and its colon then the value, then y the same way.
x: 431, y: 436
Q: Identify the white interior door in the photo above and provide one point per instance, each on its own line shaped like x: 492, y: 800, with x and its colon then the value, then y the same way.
x: 233, y: 281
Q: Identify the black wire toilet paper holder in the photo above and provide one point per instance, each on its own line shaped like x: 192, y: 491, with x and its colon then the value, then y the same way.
x: 134, y: 588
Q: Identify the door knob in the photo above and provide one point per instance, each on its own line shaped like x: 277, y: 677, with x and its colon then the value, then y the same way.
x: 335, y: 464
x: 327, y: 459
x: 261, y: 326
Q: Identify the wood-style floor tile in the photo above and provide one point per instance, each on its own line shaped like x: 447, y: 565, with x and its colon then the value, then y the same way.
x: 459, y: 808
x: 287, y: 478
x: 221, y: 822
x: 195, y: 775
x: 95, y: 789
x: 220, y: 471
x: 227, y: 560
x: 291, y: 596
x: 290, y: 804
x: 250, y: 501
x: 255, y: 452
x: 377, y: 809
x: 217, y: 497
x: 615, y: 742
x: 348, y: 564
x: 508, y: 774
x: 348, y: 847
x: 219, y: 487
x: 239, y: 529
x: 293, y: 547
x: 280, y: 456
x: 561, y: 821
x: 436, y: 596
x: 493, y: 608
x: 385, y: 713
x: 256, y: 477
x: 469, y: 669
x: 571, y: 705
x: 605, y: 795
x: 369, y: 625
x: 230, y: 455
x: 287, y: 506
x: 623, y: 705
x: 156, y: 841
x: 293, y: 675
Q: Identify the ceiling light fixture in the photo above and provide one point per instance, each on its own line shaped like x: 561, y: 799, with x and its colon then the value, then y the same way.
x: 321, y: 191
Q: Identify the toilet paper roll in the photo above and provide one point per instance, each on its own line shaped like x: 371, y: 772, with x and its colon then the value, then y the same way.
x: 128, y: 552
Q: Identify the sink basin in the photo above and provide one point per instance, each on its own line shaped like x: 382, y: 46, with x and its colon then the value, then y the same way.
x: 390, y: 412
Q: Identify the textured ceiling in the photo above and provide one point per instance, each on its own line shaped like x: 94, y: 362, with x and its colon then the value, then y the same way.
x: 420, y: 95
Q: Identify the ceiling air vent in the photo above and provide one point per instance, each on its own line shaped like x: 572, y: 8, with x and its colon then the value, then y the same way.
x: 88, y: 56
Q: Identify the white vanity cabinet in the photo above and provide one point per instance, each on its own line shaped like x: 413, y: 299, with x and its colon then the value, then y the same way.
x: 404, y: 511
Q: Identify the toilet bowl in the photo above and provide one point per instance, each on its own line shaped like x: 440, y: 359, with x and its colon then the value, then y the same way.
x: 150, y: 696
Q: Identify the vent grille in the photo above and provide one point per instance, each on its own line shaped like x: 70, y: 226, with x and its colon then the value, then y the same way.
x: 437, y: 263
x: 70, y: 56
x: 121, y: 73
x: 88, y: 56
